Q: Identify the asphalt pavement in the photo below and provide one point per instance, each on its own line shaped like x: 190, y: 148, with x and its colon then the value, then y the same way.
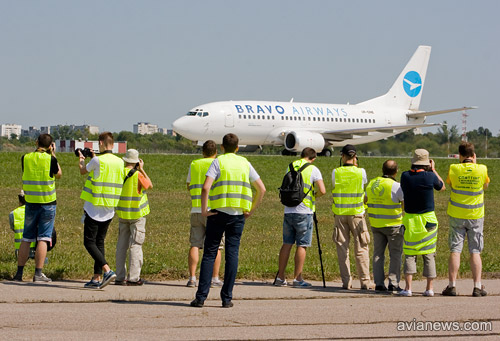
x: 161, y: 310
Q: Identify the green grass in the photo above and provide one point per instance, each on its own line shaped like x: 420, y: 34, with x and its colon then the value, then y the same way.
x: 167, y: 237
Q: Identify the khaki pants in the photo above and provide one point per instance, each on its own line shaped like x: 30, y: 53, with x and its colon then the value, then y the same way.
x: 344, y: 226
x: 130, y: 237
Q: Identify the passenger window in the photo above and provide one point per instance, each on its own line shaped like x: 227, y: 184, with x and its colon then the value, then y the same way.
x: 254, y: 117
x: 258, y: 117
x: 308, y: 118
x: 245, y: 116
x: 239, y: 116
x: 373, y: 120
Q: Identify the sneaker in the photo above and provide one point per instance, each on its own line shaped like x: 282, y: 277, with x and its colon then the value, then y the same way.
x: 394, y: 288
x: 301, y: 283
x: 93, y: 284
x: 139, y: 282
x: 196, y: 303
x: 227, y: 304
x: 429, y: 293
x: 280, y: 282
x: 406, y: 293
x: 216, y: 283
x: 124, y: 282
x: 107, y: 278
x: 479, y: 292
x: 191, y: 283
x: 449, y: 291
x: 41, y: 279
x: 380, y: 288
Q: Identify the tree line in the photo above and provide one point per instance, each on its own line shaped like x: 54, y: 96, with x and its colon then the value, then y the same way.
x: 441, y: 143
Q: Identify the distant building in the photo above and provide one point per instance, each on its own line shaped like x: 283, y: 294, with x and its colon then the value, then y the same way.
x: 44, y: 130
x: 31, y: 132
x: 166, y: 131
x: 6, y: 130
x: 70, y: 146
x: 72, y: 128
x: 145, y: 128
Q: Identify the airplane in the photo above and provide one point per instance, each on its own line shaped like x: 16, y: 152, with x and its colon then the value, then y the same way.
x: 320, y: 126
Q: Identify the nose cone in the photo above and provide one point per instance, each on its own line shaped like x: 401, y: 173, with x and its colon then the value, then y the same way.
x: 182, y: 126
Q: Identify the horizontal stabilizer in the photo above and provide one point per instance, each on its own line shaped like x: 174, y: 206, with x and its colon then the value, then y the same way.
x: 437, y: 112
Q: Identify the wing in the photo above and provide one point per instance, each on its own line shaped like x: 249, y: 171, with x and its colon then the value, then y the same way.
x: 347, y: 134
x: 438, y: 112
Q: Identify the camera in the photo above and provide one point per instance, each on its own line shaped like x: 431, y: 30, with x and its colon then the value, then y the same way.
x: 86, y: 152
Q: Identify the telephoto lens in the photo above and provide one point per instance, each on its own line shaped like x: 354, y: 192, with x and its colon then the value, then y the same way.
x: 86, y: 152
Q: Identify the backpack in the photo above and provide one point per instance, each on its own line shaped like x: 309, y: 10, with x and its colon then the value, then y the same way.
x: 292, y: 187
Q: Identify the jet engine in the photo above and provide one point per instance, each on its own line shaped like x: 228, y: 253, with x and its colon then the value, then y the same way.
x: 296, y: 141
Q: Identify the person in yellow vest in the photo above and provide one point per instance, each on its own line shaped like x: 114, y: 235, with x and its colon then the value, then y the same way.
x: 194, y: 182
x: 40, y: 170
x: 468, y: 181
x: 16, y: 222
x: 228, y: 182
x: 101, y: 194
x: 132, y: 210
x: 420, y: 222
x: 384, y: 199
x: 348, y: 208
x: 298, y: 220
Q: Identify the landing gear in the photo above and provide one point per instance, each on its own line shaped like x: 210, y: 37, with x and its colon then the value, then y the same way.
x: 286, y: 152
x: 326, y: 152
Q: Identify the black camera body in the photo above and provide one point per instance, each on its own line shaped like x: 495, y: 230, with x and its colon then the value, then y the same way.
x: 86, y: 152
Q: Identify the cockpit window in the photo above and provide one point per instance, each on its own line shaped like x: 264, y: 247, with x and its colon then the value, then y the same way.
x: 199, y: 113
x: 205, y: 114
x: 191, y: 113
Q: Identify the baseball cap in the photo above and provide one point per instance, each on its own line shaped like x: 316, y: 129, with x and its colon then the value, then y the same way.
x: 348, y: 149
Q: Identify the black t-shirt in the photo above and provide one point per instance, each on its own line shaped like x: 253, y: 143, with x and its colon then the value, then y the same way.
x: 54, y: 168
x: 418, y: 190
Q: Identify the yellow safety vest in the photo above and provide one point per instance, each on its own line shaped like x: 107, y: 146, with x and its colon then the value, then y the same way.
x: 382, y: 211
x: 198, y: 169
x: 310, y: 199
x: 18, y: 214
x: 348, y: 193
x: 417, y: 239
x: 467, y: 195
x: 132, y: 205
x: 232, y: 188
x: 38, y: 186
x: 106, y: 189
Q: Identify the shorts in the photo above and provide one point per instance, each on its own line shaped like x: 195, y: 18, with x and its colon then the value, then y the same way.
x: 38, y: 222
x: 410, y: 266
x: 297, y: 229
x: 198, y: 231
x: 474, y: 230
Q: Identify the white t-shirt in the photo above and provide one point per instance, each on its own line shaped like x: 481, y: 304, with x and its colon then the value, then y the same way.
x: 98, y: 213
x: 396, y: 192
x: 214, y: 173
x: 302, y: 208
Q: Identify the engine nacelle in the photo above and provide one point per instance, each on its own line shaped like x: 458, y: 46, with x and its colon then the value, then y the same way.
x: 296, y: 141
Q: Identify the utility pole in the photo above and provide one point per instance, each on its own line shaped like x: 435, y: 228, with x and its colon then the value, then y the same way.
x: 464, y: 126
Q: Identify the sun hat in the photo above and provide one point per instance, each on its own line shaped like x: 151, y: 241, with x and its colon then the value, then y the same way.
x: 132, y: 156
x: 420, y: 158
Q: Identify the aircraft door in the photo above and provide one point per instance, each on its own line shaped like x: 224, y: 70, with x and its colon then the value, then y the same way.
x: 229, y: 116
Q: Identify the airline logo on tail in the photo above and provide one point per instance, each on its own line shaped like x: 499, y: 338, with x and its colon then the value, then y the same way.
x: 412, y: 83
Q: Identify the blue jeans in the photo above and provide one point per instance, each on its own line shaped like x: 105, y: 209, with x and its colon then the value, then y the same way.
x: 232, y: 226
x: 297, y: 229
x: 39, y: 222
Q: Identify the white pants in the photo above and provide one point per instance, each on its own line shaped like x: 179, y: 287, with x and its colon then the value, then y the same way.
x: 130, y: 237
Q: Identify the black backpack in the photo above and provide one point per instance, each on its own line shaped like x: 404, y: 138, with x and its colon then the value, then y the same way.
x: 292, y: 187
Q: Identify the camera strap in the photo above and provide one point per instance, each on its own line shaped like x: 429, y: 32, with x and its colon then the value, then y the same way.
x: 130, y: 173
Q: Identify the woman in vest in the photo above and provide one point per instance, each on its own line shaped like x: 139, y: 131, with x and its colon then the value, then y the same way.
x: 420, y: 222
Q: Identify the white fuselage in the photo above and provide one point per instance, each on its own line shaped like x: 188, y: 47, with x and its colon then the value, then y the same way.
x: 266, y: 123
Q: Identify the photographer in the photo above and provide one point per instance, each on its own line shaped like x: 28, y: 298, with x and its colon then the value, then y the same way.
x: 40, y: 169
x: 132, y: 210
x: 101, y: 194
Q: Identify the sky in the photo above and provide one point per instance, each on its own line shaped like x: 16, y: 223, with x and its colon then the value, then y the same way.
x: 115, y: 63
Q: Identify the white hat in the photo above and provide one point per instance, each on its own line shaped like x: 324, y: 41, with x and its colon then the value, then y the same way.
x: 420, y: 158
x: 132, y: 156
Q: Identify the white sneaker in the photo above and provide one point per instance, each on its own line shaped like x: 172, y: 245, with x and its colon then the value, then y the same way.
x: 406, y: 293
x: 280, y: 282
x: 41, y: 279
x: 429, y: 293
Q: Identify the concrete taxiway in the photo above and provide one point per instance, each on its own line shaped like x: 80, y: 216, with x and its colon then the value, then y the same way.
x: 160, y: 310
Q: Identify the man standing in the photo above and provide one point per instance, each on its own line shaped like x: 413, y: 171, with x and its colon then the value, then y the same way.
x: 298, y: 220
x: 101, y: 194
x: 40, y: 169
x: 384, y: 197
x: 420, y: 222
x: 132, y: 210
x: 348, y: 181
x: 195, y: 180
x: 468, y: 181
x: 231, y: 203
